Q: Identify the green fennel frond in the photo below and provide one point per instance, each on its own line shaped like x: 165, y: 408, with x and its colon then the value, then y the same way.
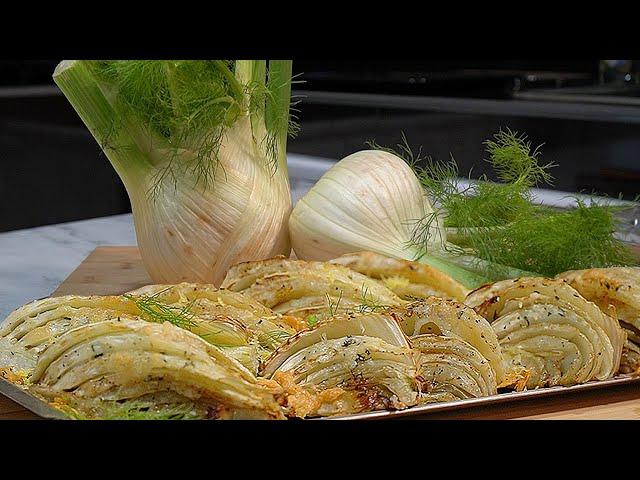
x: 155, y: 311
x: 549, y: 241
x: 499, y: 229
x: 402, y: 150
x: 311, y: 320
x: 178, y: 111
x: 511, y: 157
x: 368, y: 303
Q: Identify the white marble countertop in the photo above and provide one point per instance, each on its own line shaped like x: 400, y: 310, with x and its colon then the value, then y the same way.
x: 34, y: 261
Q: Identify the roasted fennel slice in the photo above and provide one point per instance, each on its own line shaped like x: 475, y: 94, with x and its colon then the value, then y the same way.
x: 448, y: 368
x: 550, y: 332
x: 119, y: 360
x: 308, y: 289
x: 408, y: 279
x: 617, y: 287
x: 346, y: 364
x: 29, y: 329
x: 248, y: 330
x: 438, y: 316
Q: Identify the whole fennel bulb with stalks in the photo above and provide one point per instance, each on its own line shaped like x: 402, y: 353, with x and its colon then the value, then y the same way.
x: 370, y: 201
x: 200, y: 146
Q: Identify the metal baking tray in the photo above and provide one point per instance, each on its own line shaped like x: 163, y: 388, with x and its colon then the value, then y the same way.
x: 501, y: 398
x: 30, y: 402
x: 44, y: 410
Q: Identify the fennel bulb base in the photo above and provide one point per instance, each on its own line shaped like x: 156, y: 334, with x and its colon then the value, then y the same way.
x: 195, y: 233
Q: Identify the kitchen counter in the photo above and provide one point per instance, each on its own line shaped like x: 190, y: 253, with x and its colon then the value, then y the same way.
x: 34, y: 261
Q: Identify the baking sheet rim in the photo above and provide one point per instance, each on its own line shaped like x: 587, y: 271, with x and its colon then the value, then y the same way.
x: 30, y: 402
x: 491, y: 400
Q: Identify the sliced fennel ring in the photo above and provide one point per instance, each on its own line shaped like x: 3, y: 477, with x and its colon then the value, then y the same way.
x: 308, y: 289
x: 410, y: 280
x: 123, y: 360
x: 451, y: 369
x: 452, y: 319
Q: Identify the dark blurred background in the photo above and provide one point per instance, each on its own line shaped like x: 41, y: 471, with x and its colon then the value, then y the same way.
x: 586, y: 112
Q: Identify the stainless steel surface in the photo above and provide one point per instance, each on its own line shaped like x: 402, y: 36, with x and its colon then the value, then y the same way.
x: 30, y: 91
x: 628, y: 226
x: 607, y: 94
x: 513, y: 108
x: 31, y: 403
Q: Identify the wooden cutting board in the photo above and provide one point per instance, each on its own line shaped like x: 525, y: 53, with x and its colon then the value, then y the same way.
x: 115, y: 270
x: 106, y: 271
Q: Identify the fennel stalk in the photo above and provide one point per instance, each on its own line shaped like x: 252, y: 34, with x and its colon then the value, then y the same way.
x: 201, y: 149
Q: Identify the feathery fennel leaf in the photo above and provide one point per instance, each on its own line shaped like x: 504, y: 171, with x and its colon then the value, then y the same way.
x: 178, y: 111
x: 549, y: 242
x: 500, y: 222
x: 155, y: 311
x: 514, y: 162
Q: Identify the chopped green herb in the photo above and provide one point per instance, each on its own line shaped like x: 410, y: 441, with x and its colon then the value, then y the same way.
x: 312, y: 320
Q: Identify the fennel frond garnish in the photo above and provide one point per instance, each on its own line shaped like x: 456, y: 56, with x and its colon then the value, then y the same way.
x: 333, y: 306
x: 499, y: 226
x: 311, y: 320
x: 368, y: 304
x: 158, y: 312
x: 186, y: 107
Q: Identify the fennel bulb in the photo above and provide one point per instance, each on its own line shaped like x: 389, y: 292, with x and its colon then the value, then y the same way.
x: 201, y: 149
x: 372, y: 201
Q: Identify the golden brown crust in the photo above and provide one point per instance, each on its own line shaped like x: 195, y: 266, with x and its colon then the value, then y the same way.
x: 300, y: 288
x: 630, y: 363
x: 304, y: 401
x: 408, y: 279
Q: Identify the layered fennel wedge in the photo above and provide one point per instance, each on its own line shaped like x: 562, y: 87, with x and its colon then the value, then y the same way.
x: 549, y: 333
x: 615, y: 290
x: 288, y: 338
